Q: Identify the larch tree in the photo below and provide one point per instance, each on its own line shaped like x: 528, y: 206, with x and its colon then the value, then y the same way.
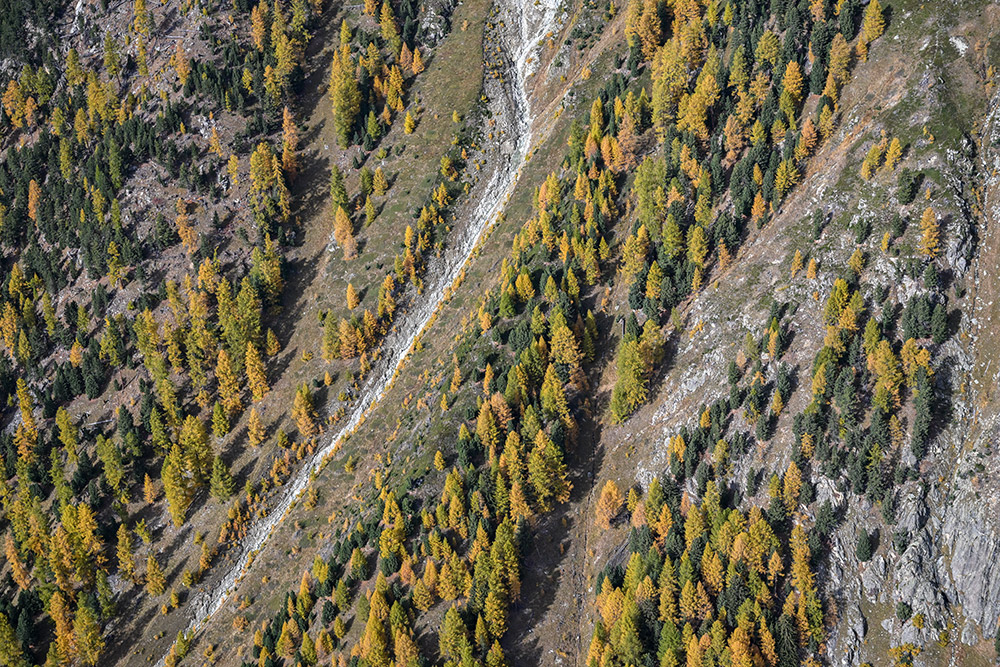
x: 630, y: 388
x: 792, y: 81
x: 839, y: 59
x: 807, y: 141
x: 565, y: 350
x: 59, y: 612
x: 768, y: 47
x: 175, y: 485
x: 633, y: 13
x: 929, y: 233
x: 893, y: 154
x: 553, y: 395
x: 796, y: 262
x: 873, y: 24
x: 229, y: 391
x: 347, y: 339
x: 256, y: 375
x: 187, y: 232
x: 289, y: 144
x: 330, y: 341
x: 112, y: 63
x: 233, y: 169
x: 22, y: 577
x: 303, y: 412
x: 697, y: 246
x: 352, y: 297
x: 345, y: 95
x: 343, y: 233
x: 649, y: 30
x: 454, y: 635
x: 547, y: 473
x: 422, y: 598
x: 785, y: 178
x: 87, y: 635
x: 67, y: 433
x: 220, y: 421
x: 142, y: 23
x: 380, y: 185
x: 156, y: 582
x: 126, y: 561
x: 222, y: 485
x: 258, y: 25
x: 10, y: 648
x: 390, y: 31
x: 255, y: 428
x: 148, y: 490
x: 180, y: 62
x: 193, y: 439
x: 792, y: 486
x: 285, y: 644
x: 271, y: 344
x: 495, y: 612
x: 495, y: 657
x: 609, y: 504
x: 34, y: 195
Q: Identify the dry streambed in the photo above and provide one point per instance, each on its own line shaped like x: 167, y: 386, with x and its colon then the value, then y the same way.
x: 522, y: 25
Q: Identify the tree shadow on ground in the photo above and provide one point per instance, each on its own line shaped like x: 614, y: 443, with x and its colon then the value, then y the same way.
x: 548, y: 555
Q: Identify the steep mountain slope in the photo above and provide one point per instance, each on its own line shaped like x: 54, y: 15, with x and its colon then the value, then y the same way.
x: 668, y: 334
x: 509, y: 106
x: 562, y: 573
x: 928, y: 556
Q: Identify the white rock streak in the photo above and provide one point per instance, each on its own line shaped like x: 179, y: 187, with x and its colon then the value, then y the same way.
x: 525, y: 23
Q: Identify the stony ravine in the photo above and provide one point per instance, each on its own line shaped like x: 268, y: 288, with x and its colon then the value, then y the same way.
x: 523, y: 25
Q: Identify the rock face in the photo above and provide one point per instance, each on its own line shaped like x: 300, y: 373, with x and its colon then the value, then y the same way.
x: 848, y: 589
x: 969, y: 534
x: 873, y: 578
x: 942, y: 556
x: 848, y: 635
x: 434, y: 25
x: 917, y: 584
x: 969, y: 537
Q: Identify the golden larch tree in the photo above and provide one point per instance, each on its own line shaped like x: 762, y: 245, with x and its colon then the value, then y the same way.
x: 182, y: 66
x: 289, y: 144
x: 256, y: 375
x: 609, y: 504
x: 255, y: 428
x: 929, y: 233
x: 352, y: 297
x: 229, y: 390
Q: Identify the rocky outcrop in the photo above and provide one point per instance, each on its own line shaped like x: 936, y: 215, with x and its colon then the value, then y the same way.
x: 917, y: 585
x: 436, y: 22
x: 970, y: 538
x: 842, y: 582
